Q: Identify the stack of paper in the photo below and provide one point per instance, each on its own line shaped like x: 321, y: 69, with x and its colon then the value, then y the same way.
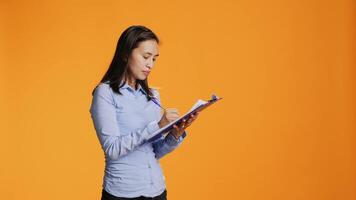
x: 197, y: 107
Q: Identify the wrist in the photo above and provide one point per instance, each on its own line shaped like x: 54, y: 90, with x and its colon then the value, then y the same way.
x: 175, y: 136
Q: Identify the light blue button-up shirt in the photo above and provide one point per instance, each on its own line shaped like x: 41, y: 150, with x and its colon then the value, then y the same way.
x: 123, y: 124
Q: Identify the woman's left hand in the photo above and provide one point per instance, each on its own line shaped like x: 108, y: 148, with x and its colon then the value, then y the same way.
x: 179, y: 130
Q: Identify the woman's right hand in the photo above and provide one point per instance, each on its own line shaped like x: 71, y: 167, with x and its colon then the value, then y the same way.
x: 169, y: 115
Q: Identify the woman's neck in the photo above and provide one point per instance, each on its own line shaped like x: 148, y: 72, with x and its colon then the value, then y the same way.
x: 130, y: 80
x: 132, y: 83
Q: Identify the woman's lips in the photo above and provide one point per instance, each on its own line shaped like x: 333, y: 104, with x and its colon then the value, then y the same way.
x: 146, y: 72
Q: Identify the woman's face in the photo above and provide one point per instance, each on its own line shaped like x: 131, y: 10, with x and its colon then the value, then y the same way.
x: 142, y: 59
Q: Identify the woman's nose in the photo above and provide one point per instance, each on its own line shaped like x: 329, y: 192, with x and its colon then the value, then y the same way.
x: 149, y: 64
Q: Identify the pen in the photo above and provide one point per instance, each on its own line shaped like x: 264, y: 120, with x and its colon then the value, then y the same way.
x: 154, y: 100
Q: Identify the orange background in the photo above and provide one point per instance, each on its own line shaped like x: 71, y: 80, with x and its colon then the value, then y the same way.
x: 286, y: 70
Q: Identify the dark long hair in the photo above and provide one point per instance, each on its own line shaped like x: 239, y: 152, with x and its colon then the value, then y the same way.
x: 128, y: 41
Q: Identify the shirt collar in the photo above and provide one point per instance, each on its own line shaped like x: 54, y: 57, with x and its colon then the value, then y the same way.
x: 141, y: 88
x: 128, y: 87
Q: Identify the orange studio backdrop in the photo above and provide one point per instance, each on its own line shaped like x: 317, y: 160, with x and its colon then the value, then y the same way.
x: 285, y: 129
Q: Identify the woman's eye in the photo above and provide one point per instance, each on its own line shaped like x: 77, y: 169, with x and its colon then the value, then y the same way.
x: 145, y: 57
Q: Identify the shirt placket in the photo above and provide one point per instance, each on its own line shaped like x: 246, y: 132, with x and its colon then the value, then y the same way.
x: 149, y: 166
x: 137, y: 94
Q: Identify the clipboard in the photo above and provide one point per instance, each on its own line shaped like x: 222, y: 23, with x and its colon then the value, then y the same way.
x: 197, y: 107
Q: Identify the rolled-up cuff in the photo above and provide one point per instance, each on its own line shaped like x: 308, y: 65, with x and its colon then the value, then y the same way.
x: 172, y: 141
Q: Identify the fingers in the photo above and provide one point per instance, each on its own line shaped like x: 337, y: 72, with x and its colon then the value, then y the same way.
x: 171, y: 114
x: 192, y: 117
x: 181, y: 125
x: 185, y: 123
x: 172, y: 110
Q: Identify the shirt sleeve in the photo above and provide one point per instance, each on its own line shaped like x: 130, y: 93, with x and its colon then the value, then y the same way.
x: 166, y: 144
x: 103, y: 114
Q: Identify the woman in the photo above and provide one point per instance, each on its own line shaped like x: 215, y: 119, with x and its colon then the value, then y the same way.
x: 126, y: 112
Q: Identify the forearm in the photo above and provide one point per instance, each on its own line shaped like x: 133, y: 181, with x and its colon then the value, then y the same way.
x: 115, y: 147
x: 167, y: 145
